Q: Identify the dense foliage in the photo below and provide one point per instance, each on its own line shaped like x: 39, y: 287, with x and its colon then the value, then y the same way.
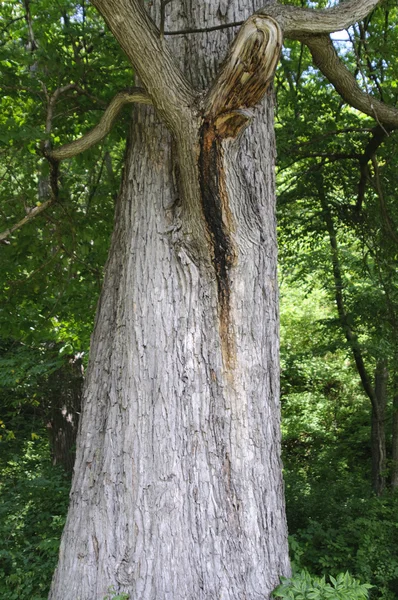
x: 338, y: 210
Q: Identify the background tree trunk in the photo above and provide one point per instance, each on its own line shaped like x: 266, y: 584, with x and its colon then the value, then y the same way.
x: 63, y: 398
x: 394, y: 452
x: 178, y: 490
x: 378, y: 429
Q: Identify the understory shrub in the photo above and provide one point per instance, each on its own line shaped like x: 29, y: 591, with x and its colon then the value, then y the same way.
x: 33, y: 503
x: 362, y: 537
x: 303, y: 586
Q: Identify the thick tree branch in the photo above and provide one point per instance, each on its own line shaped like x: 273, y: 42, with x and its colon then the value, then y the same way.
x: 296, y: 21
x: 138, y: 36
x: 104, y: 126
x: 326, y: 59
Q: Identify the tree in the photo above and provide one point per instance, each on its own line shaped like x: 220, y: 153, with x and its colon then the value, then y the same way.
x: 177, y: 490
x: 340, y: 169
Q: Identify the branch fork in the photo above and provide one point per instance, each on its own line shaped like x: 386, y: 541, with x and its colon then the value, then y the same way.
x: 241, y: 82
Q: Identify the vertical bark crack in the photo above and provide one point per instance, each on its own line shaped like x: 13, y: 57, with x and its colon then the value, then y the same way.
x: 219, y: 223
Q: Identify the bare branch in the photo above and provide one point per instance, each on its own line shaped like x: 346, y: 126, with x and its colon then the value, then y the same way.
x: 77, y: 146
x: 296, y: 21
x: 104, y: 126
x: 30, y: 215
x: 51, y: 102
x: 326, y: 59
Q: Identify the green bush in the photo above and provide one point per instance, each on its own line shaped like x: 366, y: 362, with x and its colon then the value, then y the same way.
x: 33, y: 504
x: 362, y: 536
x: 303, y: 586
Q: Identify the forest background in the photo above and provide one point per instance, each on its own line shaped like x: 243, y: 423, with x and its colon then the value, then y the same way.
x: 338, y: 243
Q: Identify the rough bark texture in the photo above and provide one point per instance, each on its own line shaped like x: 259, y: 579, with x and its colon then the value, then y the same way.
x: 177, y: 492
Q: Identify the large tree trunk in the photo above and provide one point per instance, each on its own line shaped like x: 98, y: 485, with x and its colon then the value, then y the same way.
x: 178, y: 491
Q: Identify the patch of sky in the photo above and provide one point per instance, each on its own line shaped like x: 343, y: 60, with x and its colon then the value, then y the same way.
x: 340, y: 36
x: 342, y: 40
x: 78, y: 15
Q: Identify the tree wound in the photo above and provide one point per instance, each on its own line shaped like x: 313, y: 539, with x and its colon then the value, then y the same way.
x: 240, y: 85
x: 219, y: 221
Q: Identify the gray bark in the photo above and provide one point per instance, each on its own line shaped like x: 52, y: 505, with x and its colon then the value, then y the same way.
x: 177, y: 491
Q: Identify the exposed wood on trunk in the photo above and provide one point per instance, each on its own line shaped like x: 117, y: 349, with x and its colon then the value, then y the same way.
x: 247, y: 71
x: 219, y: 223
x: 240, y: 85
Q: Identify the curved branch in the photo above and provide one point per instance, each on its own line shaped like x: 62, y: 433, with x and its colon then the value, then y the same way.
x: 297, y: 21
x: 77, y: 146
x: 326, y: 59
x: 104, y: 126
